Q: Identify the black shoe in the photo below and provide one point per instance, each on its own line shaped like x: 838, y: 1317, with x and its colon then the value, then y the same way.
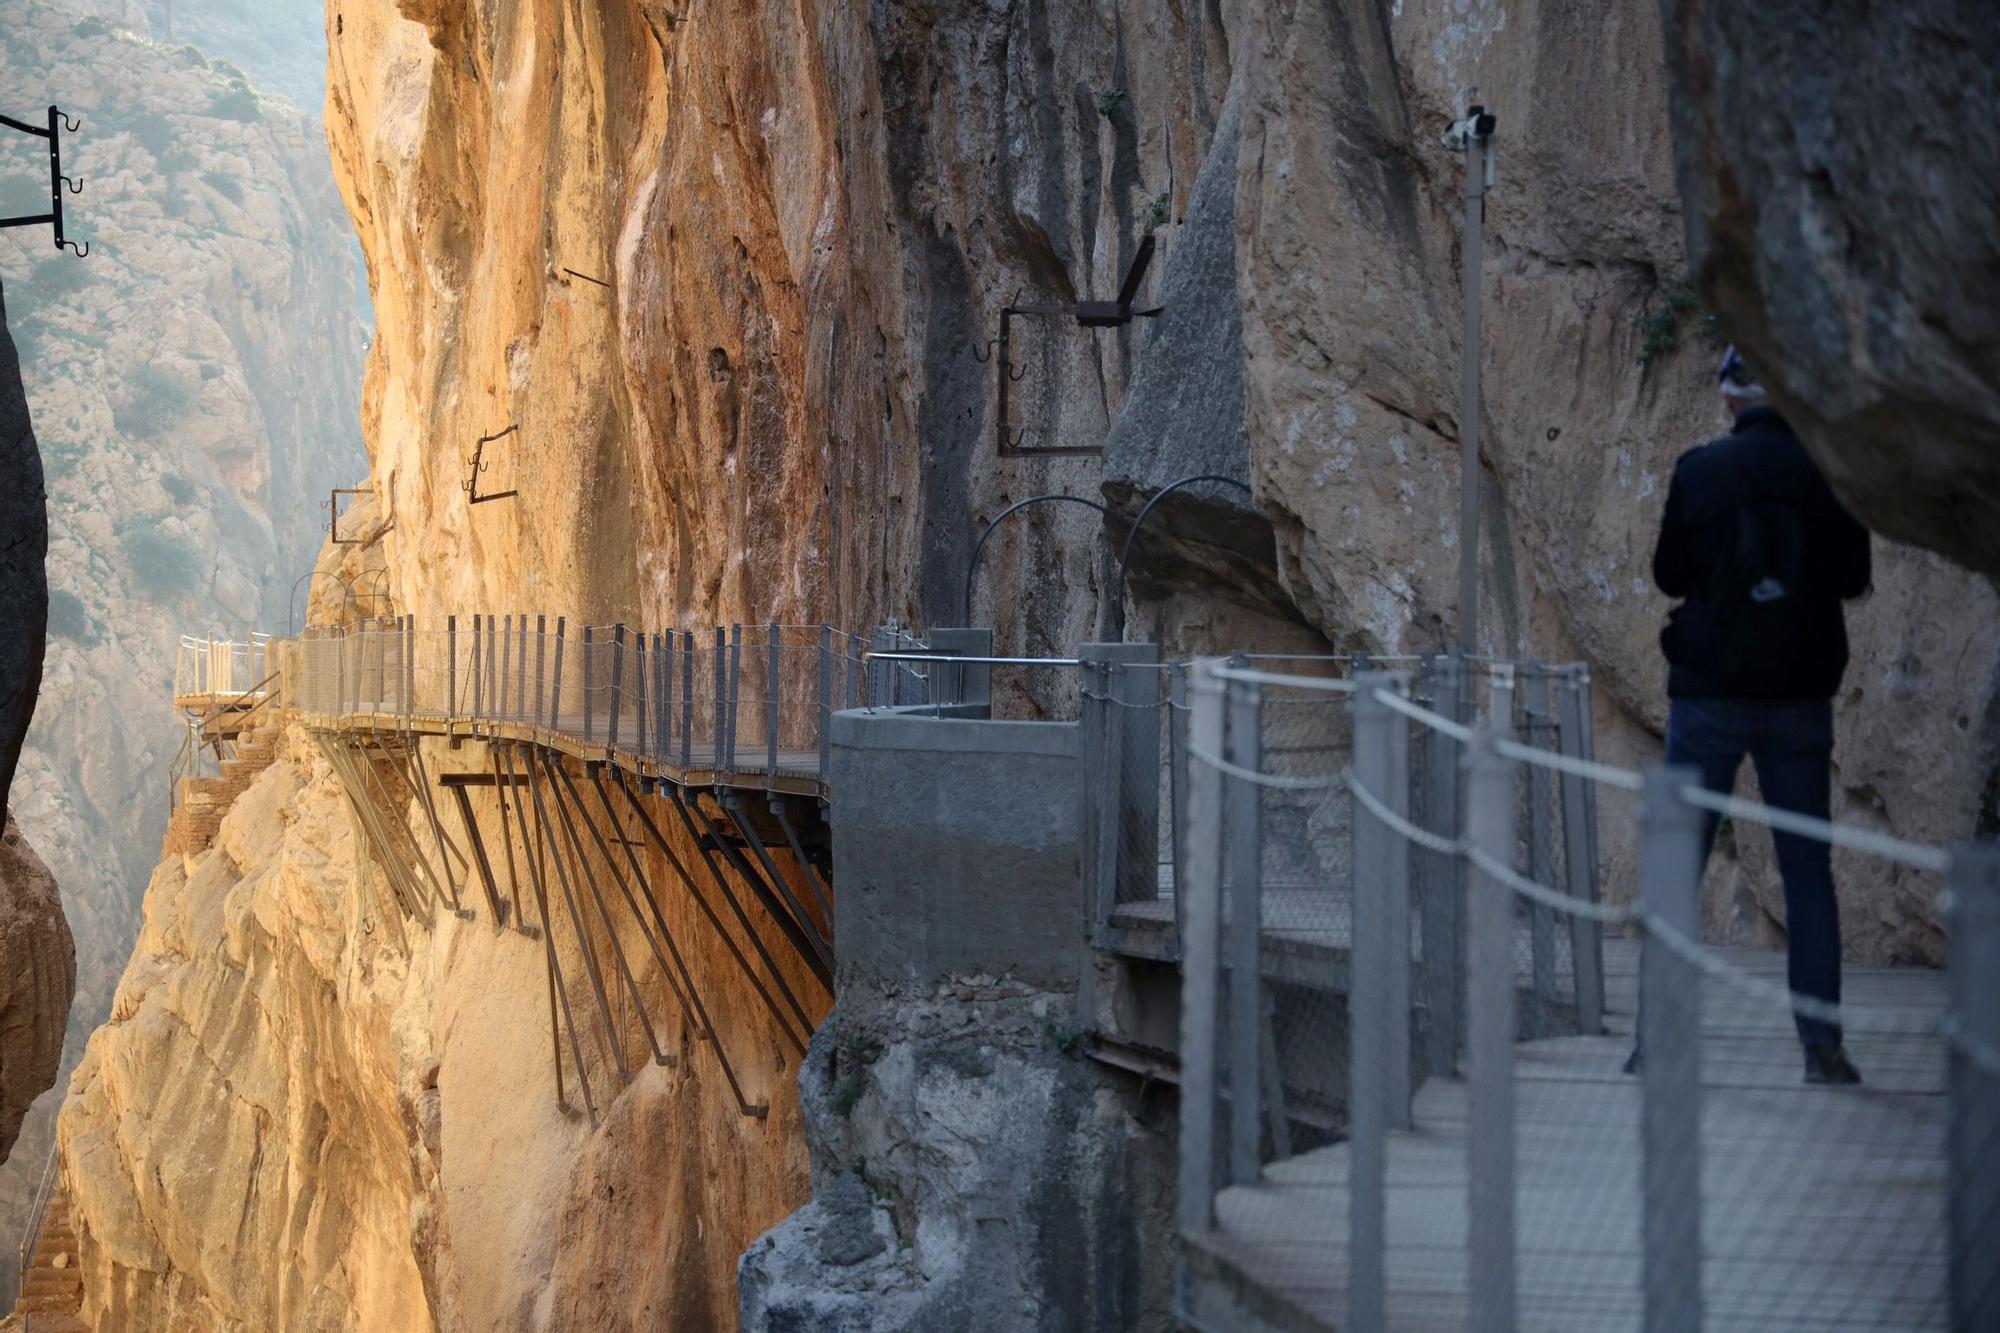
x: 1635, y: 1063
x: 1829, y: 1064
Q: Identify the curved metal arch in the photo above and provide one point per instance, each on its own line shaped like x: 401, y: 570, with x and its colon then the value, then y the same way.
x: 978, y: 547
x: 292, y: 603
x: 1125, y: 554
x: 380, y: 594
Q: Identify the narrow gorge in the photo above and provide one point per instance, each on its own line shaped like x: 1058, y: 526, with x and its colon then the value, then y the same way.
x: 709, y: 297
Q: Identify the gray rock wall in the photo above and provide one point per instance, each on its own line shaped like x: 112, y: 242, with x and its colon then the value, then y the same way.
x: 1841, y: 177
x: 37, y: 957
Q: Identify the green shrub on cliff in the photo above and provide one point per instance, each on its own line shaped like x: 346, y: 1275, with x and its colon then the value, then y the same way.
x: 154, y: 400
x: 162, y: 563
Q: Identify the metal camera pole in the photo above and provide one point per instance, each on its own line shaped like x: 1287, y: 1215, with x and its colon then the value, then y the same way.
x: 1473, y: 136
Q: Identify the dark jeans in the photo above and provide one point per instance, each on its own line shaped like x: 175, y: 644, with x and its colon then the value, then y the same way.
x: 1791, y: 743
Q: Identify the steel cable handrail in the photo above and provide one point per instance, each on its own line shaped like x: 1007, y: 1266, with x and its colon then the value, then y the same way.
x: 1944, y: 1025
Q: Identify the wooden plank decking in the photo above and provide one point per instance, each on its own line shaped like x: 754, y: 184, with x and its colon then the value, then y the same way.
x: 1823, y: 1208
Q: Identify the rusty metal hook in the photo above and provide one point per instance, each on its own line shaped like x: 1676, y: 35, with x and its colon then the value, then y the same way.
x: 81, y: 251
x: 1016, y: 375
x: 70, y: 124
x: 75, y: 186
x: 983, y: 352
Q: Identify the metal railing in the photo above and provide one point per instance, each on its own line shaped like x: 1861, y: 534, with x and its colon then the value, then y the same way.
x: 1299, y: 723
x: 38, y: 1213
x: 220, y: 667
x: 1543, y: 1188
x: 751, y: 701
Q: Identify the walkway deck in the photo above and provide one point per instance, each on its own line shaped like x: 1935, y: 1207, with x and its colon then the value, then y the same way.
x: 1824, y: 1208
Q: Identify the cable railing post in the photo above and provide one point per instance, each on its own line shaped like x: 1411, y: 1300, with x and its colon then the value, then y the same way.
x: 1201, y: 960
x: 1242, y: 810
x: 687, y: 700
x: 555, y: 679
x: 521, y: 670
x: 1541, y: 848
x: 589, y: 679
x: 506, y: 661
x: 663, y: 694
x: 771, y: 717
x: 853, y: 670
x: 721, y: 696
x: 1369, y: 1015
x: 1443, y: 878
x: 451, y: 665
x: 541, y: 675
x: 735, y: 688
x: 1670, y: 859
x: 409, y: 666
x: 617, y: 683
x: 478, y: 669
x: 1579, y: 812
x: 639, y: 692
x: 1100, y: 786
x: 825, y: 700
x: 1973, y: 1136
x: 1489, y: 930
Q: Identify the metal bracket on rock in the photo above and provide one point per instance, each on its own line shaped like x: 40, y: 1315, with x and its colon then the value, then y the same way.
x: 58, y: 122
x: 471, y: 485
x: 1090, y: 315
x: 333, y: 514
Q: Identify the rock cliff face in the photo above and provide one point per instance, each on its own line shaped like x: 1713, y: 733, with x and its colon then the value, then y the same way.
x: 1841, y: 212
x: 307, y: 1112
x: 37, y: 957
x: 194, y: 383
x: 729, y: 272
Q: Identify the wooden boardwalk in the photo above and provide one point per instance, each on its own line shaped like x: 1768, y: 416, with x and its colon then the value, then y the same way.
x: 1823, y: 1208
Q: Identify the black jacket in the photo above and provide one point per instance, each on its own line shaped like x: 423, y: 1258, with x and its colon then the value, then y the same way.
x: 1760, y: 456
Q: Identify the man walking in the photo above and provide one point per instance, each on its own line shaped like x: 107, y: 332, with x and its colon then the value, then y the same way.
x: 1762, y: 555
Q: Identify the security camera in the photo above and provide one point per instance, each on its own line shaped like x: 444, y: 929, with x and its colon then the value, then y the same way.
x: 1477, y: 124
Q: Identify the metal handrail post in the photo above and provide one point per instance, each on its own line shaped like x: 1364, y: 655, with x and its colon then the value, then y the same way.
x: 541, y: 648
x: 1974, y: 1106
x: 451, y: 665
x: 1443, y: 878
x: 639, y: 691
x: 555, y: 679
x: 721, y: 696
x: 1369, y: 1014
x: 506, y: 661
x: 663, y: 694
x: 735, y: 688
x: 521, y: 671
x: 1670, y: 861
x: 1541, y: 848
x: 825, y: 700
x: 589, y: 679
x: 687, y: 701
x: 1242, y: 813
x: 617, y: 683
x: 478, y: 669
x: 1490, y: 1025
x: 771, y: 716
x: 1201, y: 972
x: 1579, y: 801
